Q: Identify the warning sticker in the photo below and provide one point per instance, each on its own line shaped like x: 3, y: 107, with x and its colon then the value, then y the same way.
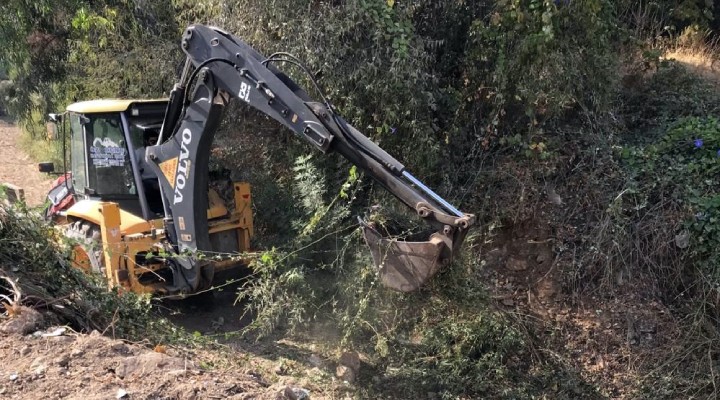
x: 168, y: 169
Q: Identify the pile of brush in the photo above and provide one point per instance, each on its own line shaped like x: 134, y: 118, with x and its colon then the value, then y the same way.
x: 39, y: 286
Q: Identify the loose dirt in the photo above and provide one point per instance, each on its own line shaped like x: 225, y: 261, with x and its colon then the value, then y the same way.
x: 75, y: 366
x: 612, y: 339
x: 18, y: 169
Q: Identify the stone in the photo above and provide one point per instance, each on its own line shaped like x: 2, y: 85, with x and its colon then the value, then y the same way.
x: 149, y: 361
x: 62, y: 360
x: 62, y: 339
x: 296, y: 393
x: 682, y: 240
x: 281, y: 370
x: 39, y: 365
x: 314, y: 372
x: 316, y: 361
x: 54, y: 331
x: 26, y: 321
x: 25, y: 350
x: 120, y: 347
x: 541, y: 258
x: 516, y: 264
x: 350, y: 359
x: 345, y: 373
x: 348, y: 366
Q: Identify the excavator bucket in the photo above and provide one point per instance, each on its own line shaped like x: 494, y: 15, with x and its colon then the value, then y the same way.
x: 405, y: 265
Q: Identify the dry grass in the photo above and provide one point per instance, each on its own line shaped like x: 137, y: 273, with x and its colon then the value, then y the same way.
x: 699, y: 53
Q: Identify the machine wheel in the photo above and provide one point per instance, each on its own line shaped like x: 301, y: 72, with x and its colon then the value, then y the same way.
x: 87, y: 251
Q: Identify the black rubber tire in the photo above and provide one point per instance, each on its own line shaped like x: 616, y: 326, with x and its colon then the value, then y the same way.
x: 87, y: 236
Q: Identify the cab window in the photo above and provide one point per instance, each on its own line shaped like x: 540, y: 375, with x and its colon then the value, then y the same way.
x: 77, y: 153
x: 109, y: 168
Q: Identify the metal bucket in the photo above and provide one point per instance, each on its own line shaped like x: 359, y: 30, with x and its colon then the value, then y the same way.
x: 406, y: 266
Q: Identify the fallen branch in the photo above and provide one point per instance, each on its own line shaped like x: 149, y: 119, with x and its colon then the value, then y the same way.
x: 11, y: 305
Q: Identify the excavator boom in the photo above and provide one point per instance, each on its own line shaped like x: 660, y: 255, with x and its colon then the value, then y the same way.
x: 220, y: 67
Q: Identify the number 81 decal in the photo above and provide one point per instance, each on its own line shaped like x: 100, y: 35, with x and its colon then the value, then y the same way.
x: 244, y: 92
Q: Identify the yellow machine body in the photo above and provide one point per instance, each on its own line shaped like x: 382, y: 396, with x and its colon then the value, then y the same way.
x: 127, y: 248
x: 127, y: 240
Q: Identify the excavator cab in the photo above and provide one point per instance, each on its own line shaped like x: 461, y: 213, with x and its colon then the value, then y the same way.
x: 107, y: 149
x: 115, y: 221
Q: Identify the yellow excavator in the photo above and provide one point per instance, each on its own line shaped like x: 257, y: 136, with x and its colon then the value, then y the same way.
x: 136, y: 199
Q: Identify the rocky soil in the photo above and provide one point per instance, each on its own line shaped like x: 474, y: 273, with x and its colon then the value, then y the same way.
x: 53, y: 362
x: 75, y: 366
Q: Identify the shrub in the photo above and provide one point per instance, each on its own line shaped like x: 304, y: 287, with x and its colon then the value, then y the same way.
x: 30, y: 254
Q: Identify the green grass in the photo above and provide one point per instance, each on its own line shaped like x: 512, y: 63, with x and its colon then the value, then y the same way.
x: 34, y: 142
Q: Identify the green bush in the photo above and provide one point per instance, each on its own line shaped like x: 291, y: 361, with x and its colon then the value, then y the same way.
x: 30, y: 255
x: 683, y: 168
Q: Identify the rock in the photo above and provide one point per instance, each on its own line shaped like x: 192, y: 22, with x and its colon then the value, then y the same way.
x: 296, y: 393
x: 121, y: 394
x: 516, y: 264
x: 76, y: 353
x: 62, y: 360
x: 553, y: 197
x: 508, y: 302
x: 26, y: 321
x: 13, y: 377
x: 148, y: 362
x: 682, y: 240
x: 120, y: 347
x: 350, y: 359
x: 316, y: 361
x: 349, y: 366
x: 314, y: 372
x: 62, y: 339
x: 281, y: 369
x: 495, y: 257
x: 345, y: 373
x: 53, y: 332
x: 39, y: 365
x: 25, y: 350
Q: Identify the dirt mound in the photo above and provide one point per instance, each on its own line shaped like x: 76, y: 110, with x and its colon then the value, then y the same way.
x: 76, y: 366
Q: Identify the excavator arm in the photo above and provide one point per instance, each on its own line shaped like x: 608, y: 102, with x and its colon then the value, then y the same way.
x: 220, y: 67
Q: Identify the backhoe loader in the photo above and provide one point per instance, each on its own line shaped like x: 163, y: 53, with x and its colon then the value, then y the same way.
x: 143, y: 214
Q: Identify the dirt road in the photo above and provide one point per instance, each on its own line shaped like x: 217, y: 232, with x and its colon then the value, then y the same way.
x: 17, y: 168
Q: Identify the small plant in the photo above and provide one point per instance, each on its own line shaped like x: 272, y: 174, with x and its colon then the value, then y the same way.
x: 683, y: 167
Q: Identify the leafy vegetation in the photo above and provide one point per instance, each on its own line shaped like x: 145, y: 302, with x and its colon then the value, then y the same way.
x: 557, y: 113
x: 31, y: 256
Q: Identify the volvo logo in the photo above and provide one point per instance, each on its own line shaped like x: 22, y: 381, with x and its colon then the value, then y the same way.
x: 183, y: 166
